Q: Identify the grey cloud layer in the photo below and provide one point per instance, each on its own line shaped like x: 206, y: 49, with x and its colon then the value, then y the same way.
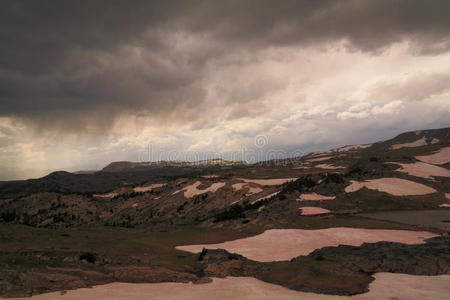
x: 415, y: 89
x: 72, y: 64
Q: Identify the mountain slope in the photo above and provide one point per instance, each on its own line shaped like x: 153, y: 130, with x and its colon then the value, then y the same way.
x: 124, y: 199
x: 65, y: 231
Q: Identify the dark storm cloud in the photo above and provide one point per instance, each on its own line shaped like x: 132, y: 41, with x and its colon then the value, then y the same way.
x: 68, y: 64
x: 367, y: 25
x: 38, y: 34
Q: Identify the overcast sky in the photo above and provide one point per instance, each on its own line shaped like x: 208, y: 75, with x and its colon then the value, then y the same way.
x: 84, y: 83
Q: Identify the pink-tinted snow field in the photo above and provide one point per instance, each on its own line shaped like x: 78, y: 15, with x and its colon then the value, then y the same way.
x: 312, y: 210
x: 314, y: 197
x: 386, y: 286
x: 285, y: 244
x: 393, y: 186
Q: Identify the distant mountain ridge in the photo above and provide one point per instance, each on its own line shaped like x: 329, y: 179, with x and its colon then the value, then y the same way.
x: 127, y: 165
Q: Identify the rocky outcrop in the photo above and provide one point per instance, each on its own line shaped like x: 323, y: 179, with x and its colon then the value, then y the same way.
x: 432, y: 258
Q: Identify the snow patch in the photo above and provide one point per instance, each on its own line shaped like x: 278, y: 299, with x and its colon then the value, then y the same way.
x: 253, y: 190
x: 423, y: 170
x: 434, y: 141
x: 314, y: 197
x: 328, y: 166
x: 192, y: 190
x: 385, y: 286
x: 311, y: 210
x: 277, y: 181
x: 108, y: 195
x: 238, y: 186
x: 265, y: 197
x: 285, y: 244
x: 393, y: 186
x: 319, y: 159
x: 418, y: 143
x: 440, y: 157
x: 352, y: 147
x: 210, y: 176
x: 142, y: 189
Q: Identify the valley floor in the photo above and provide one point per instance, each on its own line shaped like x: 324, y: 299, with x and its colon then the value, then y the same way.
x: 37, y: 261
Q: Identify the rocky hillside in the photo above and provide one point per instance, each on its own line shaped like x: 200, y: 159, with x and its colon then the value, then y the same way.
x: 359, y: 178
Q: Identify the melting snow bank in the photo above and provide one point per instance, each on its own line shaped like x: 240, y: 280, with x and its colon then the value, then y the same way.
x: 418, y: 143
x: 251, y: 190
x: 440, y: 157
x: 393, y: 186
x: 285, y: 244
x: 277, y: 181
x: 108, y: 195
x: 192, y: 190
x: 385, y: 286
x: 319, y: 158
x: 312, y: 210
x: 238, y: 186
x: 314, y: 197
x: 265, y: 197
x: 210, y: 176
x: 352, y: 147
x: 423, y: 170
x: 328, y: 167
x: 141, y: 189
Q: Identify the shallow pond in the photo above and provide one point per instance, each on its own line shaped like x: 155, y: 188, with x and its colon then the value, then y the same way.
x: 426, y: 218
